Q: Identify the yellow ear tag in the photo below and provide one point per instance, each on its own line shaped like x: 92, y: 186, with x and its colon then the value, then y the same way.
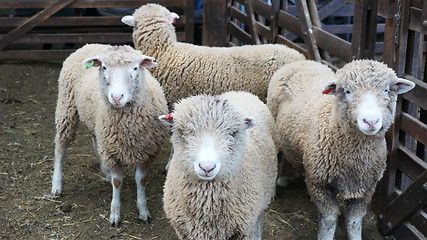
x: 90, y: 65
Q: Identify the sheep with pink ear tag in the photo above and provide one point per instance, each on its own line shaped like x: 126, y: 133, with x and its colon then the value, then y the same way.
x: 109, y: 89
x: 332, y: 128
x: 224, y: 165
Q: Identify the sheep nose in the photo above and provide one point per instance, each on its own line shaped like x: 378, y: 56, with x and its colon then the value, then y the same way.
x: 207, y: 168
x: 371, y: 123
x: 116, y: 99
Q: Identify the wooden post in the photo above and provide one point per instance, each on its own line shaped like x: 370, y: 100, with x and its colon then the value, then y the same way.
x: 215, y: 23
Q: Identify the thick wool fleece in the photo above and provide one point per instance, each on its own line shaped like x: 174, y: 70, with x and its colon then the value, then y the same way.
x: 229, y: 206
x: 185, y: 69
x: 319, y: 135
x: 127, y: 135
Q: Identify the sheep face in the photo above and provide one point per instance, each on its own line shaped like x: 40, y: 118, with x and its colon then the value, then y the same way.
x: 366, y: 93
x: 208, y: 136
x: 121, y: 74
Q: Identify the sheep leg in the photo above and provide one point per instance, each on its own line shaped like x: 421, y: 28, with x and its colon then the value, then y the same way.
x: 116, y: 182
x: 355, y: 211
x: 259, y: 225
x: 104, y: 168
x: 66, y: 125
x: 287, y: 172
x: 328, y: 208
x: 140, y: 175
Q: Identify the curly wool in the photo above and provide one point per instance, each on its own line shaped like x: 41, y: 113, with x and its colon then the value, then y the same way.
x: 229, y: 206
x: 185, y: 69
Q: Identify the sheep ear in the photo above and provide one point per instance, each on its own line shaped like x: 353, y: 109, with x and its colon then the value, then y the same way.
x: 404, y: 85
x: 129, y: 20
x: 250, y: 122
x: 168, y: 119
x: 148, y: 62
x: 173, y: 18
x: 330, y: 88
x: 92, y: 62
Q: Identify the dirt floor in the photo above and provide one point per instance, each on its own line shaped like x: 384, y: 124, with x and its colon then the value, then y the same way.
x: 28, y: 93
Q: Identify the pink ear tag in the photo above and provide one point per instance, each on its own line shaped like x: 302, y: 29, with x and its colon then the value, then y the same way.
x: 169, y: 116
x: 174, y: 20
x: 327, y: 91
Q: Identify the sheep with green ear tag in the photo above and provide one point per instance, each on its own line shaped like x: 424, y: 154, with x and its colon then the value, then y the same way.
x: 109, y: 89
x: 332, y: 128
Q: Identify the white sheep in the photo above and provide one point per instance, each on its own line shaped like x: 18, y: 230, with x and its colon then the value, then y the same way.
x: 119, y: 101
x: 222, y: 175
x: 338, y: 142
x: 186, y: 70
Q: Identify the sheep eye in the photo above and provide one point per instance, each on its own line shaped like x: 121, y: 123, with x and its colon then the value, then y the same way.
x: 104, y: 67
x: 135, y: 68
x: 386, y: 90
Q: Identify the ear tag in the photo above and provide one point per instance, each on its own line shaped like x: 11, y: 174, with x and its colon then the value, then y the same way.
x: 90, y: 65
x: 169, y: 116
x: 327, y: 91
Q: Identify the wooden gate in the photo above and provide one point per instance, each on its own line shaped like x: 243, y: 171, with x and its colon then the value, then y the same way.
x: 43, y: 35
x: 401, y: 198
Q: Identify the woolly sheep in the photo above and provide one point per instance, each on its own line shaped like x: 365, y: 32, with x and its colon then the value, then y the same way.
x: 119, y: 101
x: 186, y: 70
x: 222, y: 176
x: 337, y: 141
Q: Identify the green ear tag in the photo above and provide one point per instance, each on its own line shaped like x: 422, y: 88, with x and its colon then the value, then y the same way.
x: 90, y: 65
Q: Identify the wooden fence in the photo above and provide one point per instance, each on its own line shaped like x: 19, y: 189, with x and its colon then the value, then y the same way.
x: 45, y: 36
x: 401, y: 198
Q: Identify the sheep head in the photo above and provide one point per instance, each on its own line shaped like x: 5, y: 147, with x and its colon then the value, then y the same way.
x: 208, y: 136
x: 366, y: 94
x: 121, y: 73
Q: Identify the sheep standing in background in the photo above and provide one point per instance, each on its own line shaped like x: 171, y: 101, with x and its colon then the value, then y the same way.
x: 185, y: 69
x: 119, y: 103
x: 337, y: 141
x: 222, y: 175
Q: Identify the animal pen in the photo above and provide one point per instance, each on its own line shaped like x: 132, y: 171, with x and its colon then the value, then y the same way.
x: 390, y: 30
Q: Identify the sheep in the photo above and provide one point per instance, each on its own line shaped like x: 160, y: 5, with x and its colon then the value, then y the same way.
x: 118, y: 100
x: 222, y: 175
x: 338, y: 142
x: 185, y: 69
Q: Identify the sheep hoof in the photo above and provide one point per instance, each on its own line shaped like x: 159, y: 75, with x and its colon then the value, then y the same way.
x: 145, y: 218
x: 52, y: 196
x: 114, y: 220
x: 282, y: 182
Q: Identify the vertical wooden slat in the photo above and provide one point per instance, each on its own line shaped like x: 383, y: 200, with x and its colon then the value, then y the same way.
x: 251, y: 19
x: 215, y: 22
x: 189, y: 25
x: 33, y: 21
x: 307, y: 29
x: 359, y: 28
x: 316, y: 22
x: 403, y: 37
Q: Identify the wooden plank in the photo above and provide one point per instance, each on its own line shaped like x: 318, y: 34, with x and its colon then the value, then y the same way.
x: 418, y: 95
x: 74, y: 38
x: 307, y: 30
x: 407, y: 204
x: 89, y: 4
x: 189, y: 25
x: 414, y: 127
x: 215, y: 23
x: 419, y: 220
x: 408, y: 232
x: 333, y: 44
x: 251, y: 17
x: 285, y: 41
x: 386, y: 8
x: 239, y: 15
x: 262, y: 8
x: 290, y: 23
x: 30, y: 55
x: 331, y: 8
x: 316, y: 23
x: 403, y: 38
x: 264, y: 31
x: 414, y: 22
x: 65, y: 21
x: 32, y: 22
x: 411, y: 165
x: 239, y: 33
